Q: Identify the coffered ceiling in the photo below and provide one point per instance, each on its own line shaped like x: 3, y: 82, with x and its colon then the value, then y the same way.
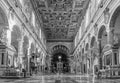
x: 60, y: 19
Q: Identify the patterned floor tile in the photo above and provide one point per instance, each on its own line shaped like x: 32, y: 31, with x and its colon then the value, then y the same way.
x: 62, y: 78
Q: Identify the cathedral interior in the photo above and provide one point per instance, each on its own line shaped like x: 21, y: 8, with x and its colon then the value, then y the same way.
x: 63, y: 41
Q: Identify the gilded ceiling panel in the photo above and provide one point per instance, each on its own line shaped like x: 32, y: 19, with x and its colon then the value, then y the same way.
x: 60, y: 18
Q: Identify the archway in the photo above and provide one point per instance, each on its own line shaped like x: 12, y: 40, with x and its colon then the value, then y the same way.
x: 92, y: 42
x: 94, y: 52
x: 115, y: 27
x: 87, y: 57
x: 15, y: 37
x: 83, y: 61
x: 92, y: 45
x: 103, y: 39
x: 113, y: 58
x: 80, y: 59
x: 60, y: 59
x: 102, y: 36
x: 15, y: 41
x: 32, y: 57
x: 87, y: 47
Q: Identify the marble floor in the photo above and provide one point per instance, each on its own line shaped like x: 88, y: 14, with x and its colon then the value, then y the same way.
x: 60, y: 79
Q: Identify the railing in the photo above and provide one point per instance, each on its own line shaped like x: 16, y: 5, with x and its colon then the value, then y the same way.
x: 111, y: 71
x: 12, y: 73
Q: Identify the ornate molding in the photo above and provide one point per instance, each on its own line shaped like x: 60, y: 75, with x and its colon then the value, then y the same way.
x: 60, y: 14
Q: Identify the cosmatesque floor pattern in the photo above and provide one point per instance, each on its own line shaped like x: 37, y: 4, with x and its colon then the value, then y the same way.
x: 60, y: 79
